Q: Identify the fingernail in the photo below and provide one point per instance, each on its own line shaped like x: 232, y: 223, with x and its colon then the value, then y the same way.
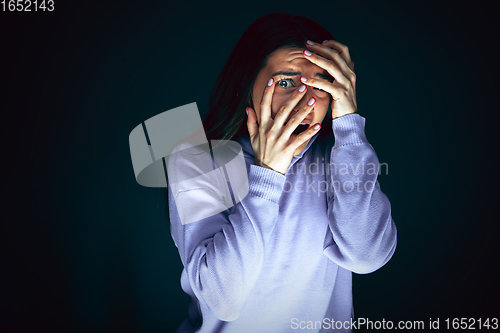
x: 246, y: 111
x: 310, y: 42
x: 302, y: 88
x: 307, y: 53
x: 326, y: 40
x: 303, y: 79
x: 311, y: 101
x: 270, y: 82
x: 317, y: 126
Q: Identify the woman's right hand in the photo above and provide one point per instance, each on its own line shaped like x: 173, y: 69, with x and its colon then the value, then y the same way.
x: 272, y: 143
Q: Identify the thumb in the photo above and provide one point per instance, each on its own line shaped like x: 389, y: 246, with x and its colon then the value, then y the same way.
x: 253, y: 127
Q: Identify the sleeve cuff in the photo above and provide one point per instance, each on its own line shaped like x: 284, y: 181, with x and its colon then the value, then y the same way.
x: 349, y: 130
x: 265, y: 183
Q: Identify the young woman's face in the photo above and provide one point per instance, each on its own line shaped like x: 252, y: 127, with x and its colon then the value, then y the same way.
x: 286, y: 66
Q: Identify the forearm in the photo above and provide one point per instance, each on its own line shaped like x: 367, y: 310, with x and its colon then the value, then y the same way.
x: 363, y: 232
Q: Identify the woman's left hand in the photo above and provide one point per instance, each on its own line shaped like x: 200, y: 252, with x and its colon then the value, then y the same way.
x: 334, y: 57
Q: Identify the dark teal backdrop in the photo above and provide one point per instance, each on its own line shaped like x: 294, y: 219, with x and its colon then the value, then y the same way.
x: 89, y: 250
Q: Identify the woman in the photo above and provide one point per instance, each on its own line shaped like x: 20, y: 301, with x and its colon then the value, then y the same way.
x: 281, y: 259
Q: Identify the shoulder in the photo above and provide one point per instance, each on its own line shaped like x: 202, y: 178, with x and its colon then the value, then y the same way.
x: 187, y: 161
x: 202, y: 166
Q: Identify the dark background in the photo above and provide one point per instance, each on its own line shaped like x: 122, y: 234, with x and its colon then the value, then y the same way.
x: 87, y: 249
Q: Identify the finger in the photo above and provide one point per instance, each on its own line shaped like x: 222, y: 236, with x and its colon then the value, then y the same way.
x: 333, y: 88
x: 288, y: 106
x: 295, y: 121
x: 253, y: 127
x: 265, y: 104
x: 334, y: 65
x: 303, y: 137
x: 339, y: 70
x: 335, y: 51
x: 342, y: 49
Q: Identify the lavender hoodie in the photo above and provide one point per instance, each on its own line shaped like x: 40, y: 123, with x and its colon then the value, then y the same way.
x: 281, y: 260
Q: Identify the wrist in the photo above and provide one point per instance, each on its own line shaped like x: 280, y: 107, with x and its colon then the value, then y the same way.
x: 335, y: 116
x: 265, y: 184
x: 263, y: 165
x: 349, y: 130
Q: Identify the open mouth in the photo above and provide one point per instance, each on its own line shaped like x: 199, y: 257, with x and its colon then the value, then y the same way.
x: 301, y: 128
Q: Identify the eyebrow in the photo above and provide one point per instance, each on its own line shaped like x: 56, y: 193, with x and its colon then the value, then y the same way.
x: 323, y: 76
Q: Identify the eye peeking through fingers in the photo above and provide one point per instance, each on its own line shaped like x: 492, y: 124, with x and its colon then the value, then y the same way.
x: 285, y: 83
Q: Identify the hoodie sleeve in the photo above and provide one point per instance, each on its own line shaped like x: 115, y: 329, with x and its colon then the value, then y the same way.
x: 223, y: 254
x: 361, y: 236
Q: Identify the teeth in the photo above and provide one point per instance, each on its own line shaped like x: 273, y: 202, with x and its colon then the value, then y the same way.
x: 299, y: 124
